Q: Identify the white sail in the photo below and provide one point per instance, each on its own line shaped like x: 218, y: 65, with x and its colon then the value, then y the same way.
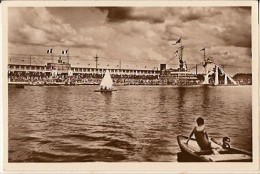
x: 107, y: 81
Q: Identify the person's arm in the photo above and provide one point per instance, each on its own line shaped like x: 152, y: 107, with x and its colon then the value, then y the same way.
x: 206, y: 134
x: 190, y: 136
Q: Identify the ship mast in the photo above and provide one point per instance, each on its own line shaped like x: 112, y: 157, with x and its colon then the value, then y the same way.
x: 180, y: 57
x: 181, y: 62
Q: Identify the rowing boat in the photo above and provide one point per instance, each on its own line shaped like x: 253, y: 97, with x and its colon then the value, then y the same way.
x: 225, y: 155
x: 105, y: 90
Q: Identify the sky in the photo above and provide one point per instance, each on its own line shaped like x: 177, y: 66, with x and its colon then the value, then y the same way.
x: 139, y: 37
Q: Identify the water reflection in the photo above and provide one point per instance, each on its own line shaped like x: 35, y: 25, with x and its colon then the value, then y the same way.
x: 180, y: 108
x: 135, y: 123
x: 107, y: 97
x: 205, y: 101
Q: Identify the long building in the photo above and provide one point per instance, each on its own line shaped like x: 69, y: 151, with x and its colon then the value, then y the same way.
x: 66, y: 69
x: 65, y: 73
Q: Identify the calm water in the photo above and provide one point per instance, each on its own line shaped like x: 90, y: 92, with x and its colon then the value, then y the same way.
x: 135, y: 123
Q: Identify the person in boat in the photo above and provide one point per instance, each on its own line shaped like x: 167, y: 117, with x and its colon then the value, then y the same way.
x: 202, y: 137
x: 225, y: 143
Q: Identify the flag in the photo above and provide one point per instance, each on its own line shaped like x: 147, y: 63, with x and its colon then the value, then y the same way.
x: 178, y: 41
x: 49, y: 50
x: 65, y: 52
x: 203, y: 49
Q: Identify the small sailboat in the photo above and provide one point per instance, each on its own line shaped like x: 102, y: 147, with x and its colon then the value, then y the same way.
x: 106, y: 84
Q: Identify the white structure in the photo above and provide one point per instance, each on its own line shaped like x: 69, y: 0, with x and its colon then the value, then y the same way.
x: 216, y: 75
x: 227, y: 77
x: 207, y: 72
x: 216, y: 81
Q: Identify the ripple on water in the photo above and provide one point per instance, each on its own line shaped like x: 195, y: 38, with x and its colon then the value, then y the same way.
x: 135, y: 123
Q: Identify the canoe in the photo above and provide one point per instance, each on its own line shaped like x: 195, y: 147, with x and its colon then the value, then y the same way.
x: 225, y: 155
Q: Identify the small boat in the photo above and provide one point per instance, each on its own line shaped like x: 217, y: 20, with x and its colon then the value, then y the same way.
x: 19, y: 86
x: 106, y: 84
x: 225, y: 155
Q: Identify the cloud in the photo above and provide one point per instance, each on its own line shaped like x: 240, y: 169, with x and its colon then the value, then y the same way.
x: 196, y: 13
x: 235, y: 27
x: 122, y: 14
x: 134, y: 35
x: 39, y: 27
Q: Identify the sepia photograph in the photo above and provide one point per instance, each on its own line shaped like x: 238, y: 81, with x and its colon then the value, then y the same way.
x: 122, y: 84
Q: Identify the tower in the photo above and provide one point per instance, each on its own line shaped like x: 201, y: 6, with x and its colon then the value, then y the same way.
x: 205, y: 65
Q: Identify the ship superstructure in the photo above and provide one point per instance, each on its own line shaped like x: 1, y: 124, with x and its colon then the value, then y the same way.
x: 180, y: 75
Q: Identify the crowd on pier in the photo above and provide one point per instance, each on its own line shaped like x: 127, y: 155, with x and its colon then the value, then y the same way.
x: 40, y: 78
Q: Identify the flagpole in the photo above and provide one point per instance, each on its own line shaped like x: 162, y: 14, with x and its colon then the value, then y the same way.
x: 205, y: 54
x: 96, y: 60
x: 120, y: 69
x: 51, y: 55
x: 68, y: 55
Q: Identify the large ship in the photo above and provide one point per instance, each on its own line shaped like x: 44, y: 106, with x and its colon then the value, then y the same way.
x: 180, y: 75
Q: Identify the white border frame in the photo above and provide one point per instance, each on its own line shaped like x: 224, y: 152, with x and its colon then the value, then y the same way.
x: 138, y: 167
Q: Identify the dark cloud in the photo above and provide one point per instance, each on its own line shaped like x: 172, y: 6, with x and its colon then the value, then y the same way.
x: 197, y: 13
x: 74, y: 15
x: 232, y: 37
x: 39, y: 28
x: 238, y: 31
x: 122, y: 14
x: 117, y: 14
x: 134, y: 33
